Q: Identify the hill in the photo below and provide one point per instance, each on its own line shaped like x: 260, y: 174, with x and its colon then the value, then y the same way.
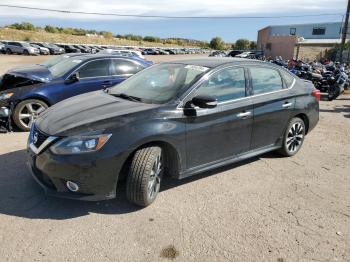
x: 43, y: 36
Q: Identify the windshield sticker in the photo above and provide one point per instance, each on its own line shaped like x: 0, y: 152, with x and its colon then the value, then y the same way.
x: 198, y: 68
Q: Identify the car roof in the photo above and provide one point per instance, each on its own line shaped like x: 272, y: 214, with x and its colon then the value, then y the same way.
x: 212, y: 62
x: 97, y: 56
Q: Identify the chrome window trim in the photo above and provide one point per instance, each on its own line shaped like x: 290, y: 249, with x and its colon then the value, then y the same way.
x: 48, y: 141
x: 110, y: 58
x: 180, y: 106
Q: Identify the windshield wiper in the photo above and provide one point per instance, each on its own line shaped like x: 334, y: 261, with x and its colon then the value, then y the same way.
x: 125, y: 96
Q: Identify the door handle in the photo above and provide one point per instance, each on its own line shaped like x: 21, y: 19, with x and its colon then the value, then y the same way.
x: 287, y: 104
x: 244, y: 114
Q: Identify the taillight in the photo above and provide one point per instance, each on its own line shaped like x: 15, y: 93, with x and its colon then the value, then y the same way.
x: 316, y: 93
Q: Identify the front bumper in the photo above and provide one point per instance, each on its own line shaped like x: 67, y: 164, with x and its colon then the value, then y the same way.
x: 97, y: 179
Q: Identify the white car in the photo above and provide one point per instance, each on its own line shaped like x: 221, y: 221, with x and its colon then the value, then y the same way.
x: 244, y: 54
x: 123, y: 52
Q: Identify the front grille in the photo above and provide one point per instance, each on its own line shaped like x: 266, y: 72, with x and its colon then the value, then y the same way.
x: 38, y: 137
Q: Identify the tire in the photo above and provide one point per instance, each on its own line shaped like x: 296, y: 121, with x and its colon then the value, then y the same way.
x: 145, y: 173
x: 293, y: 138
x: 27, y: 111
x: 8, y: 51
x: 25, y: 52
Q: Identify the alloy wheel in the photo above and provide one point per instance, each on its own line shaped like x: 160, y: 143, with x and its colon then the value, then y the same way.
x: 155, y: 177
x: 295, y: 137
x: 29, y: 112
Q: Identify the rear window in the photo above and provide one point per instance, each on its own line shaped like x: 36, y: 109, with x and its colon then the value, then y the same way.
x: 265, y: 80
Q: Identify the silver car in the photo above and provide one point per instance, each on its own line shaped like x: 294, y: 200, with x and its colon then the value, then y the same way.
x: 21, y: 48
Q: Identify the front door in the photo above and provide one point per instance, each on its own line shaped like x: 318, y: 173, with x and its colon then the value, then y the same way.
x: 94, y: 75
x: 224, y: 131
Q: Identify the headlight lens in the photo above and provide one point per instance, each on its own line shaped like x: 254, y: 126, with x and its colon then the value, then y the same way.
x: 81, y: 144
x: 5, y: 96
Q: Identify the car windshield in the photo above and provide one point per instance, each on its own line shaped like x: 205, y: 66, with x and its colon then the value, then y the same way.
x: 25, y: 44
x: 53, y: 61
x: 64, y: 67
x: 159, y: 83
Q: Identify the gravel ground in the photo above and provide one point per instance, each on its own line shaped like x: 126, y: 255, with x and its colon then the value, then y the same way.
x: 266, y: 209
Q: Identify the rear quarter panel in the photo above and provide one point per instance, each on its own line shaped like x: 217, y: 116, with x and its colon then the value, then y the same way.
x: 305, y: 103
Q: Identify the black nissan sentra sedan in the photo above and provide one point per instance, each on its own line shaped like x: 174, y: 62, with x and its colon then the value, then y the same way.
x: 173, y: 119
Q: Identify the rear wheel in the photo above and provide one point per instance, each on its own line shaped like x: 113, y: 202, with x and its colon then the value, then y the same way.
x: 145, y: 173
x: 293, y: 138
x: 27, y: 111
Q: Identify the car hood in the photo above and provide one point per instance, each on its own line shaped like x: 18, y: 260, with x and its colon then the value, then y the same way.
x: 34, y: 72
x: 88, y: 113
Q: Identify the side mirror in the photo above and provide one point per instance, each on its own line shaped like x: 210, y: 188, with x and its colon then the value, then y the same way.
x: 73, y: 78
x: 204, y: 101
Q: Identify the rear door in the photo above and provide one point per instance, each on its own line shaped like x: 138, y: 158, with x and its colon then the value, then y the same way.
x: 273, y: 100
x: 93, y: 75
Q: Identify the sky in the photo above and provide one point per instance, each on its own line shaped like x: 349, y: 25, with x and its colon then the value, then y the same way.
x: 201, y: 29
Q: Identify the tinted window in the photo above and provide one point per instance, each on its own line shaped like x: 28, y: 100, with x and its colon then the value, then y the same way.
x: 265, y: 80
x: 224, y: 85
x: 121, y: 67
x: 287, y: 78
x: 95, y: 68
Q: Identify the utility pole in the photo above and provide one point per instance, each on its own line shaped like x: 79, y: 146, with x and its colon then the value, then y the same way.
x: 345, y: 31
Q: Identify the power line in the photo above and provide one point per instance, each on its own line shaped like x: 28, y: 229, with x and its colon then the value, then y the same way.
x: 164, y: 16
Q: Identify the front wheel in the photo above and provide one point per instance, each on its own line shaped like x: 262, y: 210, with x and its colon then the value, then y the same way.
x: 145, y: 173
x: 27, y: 111
x: 293, y: 137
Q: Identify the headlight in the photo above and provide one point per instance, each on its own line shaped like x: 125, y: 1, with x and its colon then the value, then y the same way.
x: 5, y: 96
x: 81, y: 144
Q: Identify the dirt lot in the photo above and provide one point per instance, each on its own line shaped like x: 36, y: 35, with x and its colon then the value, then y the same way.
x: 265, y: 209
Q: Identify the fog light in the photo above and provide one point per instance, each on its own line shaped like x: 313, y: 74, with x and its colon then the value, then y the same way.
x: 72, y: 186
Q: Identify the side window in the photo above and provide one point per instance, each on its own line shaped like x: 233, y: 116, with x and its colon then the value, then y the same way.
x: 265, y: 80
x: 122, y: 67
x: 288, y: 79
x: 95, y: 69
x: 225, y: 85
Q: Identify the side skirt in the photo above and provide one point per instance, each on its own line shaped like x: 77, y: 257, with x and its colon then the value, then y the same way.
x: 227, y: 161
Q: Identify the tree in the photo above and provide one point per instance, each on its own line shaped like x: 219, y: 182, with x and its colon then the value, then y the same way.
x: 51, y: 29
x: 216, y: 43
x: 253, y: 45
x: 23, y: 26
x: 151, y: 39
x: 242, y: 44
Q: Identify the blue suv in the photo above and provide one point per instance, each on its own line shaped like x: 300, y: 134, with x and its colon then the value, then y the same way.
x: 26, y: 92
